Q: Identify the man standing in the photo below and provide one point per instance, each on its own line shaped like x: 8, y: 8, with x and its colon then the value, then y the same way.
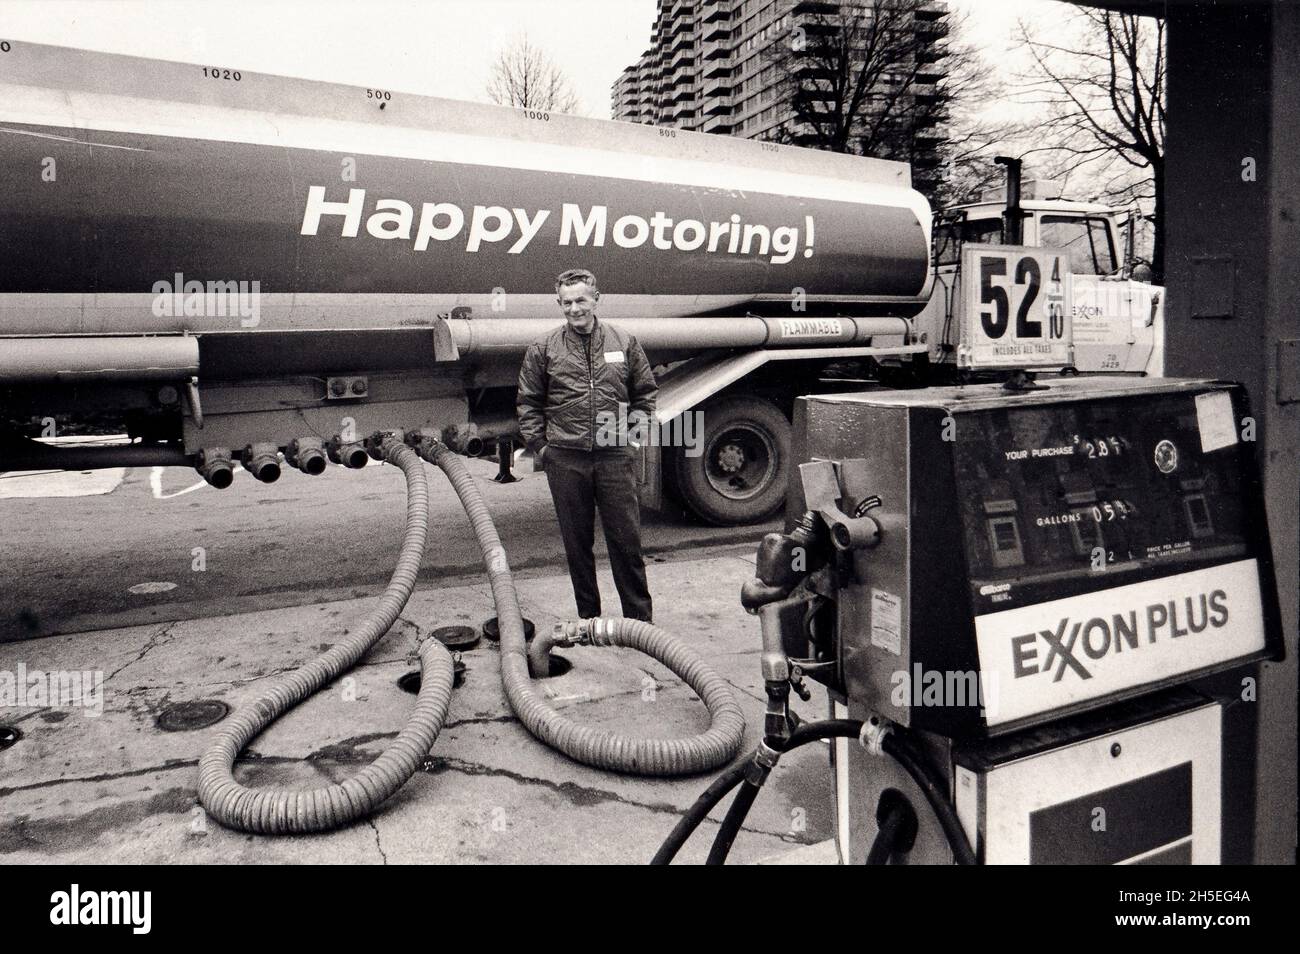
x: 578, y: 389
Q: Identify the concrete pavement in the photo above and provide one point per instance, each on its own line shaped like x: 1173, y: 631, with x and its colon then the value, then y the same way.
x: 116, y: 788
x: 82, y: 552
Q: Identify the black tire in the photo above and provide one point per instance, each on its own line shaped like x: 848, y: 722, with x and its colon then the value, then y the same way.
x: 740, y: 477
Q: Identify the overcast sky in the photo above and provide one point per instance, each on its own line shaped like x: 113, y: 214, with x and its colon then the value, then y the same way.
x: 433, y: 47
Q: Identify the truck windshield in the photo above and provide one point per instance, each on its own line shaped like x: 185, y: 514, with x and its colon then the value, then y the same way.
x: 949, y: 237
x: 1087, y: 239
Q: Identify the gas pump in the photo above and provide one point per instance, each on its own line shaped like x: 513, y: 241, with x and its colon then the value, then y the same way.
x: 1014, y: 594
x: 1052, y: 572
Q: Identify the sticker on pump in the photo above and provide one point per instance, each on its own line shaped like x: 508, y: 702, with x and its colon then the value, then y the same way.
x: 1215, y: 419
x: 1014, y: 310
x: 1066, y: 651
x: 886, y: 621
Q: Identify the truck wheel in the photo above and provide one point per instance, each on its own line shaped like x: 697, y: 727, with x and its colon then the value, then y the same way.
x: 741, y: 475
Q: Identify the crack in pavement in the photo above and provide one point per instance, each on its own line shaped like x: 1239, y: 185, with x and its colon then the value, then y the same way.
x: 167, y: 766
x: 375, y: 828
x: 580, y: 795
x: 248, y: 757
x: 742, y: 690
x: 403, y: 660
x: 154, y: 642
x: 154, y: 687
x: 31, y: 715
x: 577, y: 795
x: 336, y: 752
x: 482, y: 720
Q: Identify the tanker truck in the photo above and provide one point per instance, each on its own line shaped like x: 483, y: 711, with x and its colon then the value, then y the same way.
x: 239, y: 269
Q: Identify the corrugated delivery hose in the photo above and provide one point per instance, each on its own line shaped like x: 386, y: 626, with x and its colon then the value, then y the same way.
x: 595, y: 747
x: 278, y: 811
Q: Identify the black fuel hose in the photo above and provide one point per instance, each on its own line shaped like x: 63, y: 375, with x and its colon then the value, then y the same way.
x: 684, y: 828
x: 897, y: 743
x: 731, y: 823
x: 882, y: 847
x: 280, y: 811
x: 694, y: 817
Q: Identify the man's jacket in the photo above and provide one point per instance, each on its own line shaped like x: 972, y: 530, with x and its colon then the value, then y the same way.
x: 571, y: 387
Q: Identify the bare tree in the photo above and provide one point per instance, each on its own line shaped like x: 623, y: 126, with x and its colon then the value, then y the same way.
x: 890, y: 79
x: 524, y: 76
x: 1104, y: 105
x: 973, y: 132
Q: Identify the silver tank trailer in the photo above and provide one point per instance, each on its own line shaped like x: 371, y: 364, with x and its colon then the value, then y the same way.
x: 197, y: 229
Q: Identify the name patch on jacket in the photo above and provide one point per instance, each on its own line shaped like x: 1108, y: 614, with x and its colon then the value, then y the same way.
x: 612, y: 356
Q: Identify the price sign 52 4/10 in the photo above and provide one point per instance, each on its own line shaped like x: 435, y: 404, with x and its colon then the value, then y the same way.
x: 1014, y: 307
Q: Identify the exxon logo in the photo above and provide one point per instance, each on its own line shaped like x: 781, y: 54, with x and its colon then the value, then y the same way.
x: 1075, y: 645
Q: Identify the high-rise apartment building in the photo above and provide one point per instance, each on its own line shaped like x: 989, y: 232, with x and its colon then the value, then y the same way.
x: 712, y: 67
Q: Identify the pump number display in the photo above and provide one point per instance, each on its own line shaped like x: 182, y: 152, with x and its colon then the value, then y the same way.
x: 1014, y: 308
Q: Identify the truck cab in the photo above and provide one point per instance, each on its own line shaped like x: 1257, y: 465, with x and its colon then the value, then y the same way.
x: 1087, y: 231
x: 1118, y: 322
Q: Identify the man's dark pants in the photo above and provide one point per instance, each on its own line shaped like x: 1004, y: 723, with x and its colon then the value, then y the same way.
x: 581, y: 482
